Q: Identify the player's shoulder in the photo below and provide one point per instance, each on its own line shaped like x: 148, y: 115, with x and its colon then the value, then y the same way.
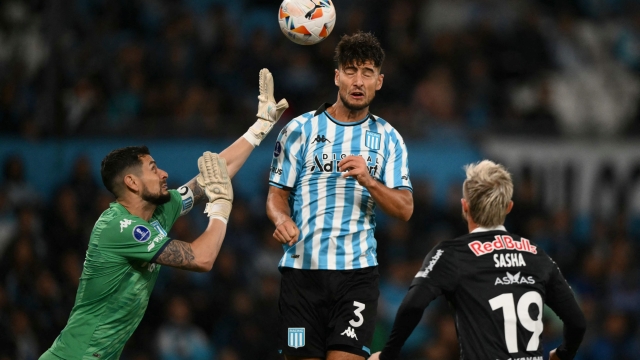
x: 116, y: 220
x: 112, y: 215
x: 446, y: 248
x: 386, y: 127
x: 297, y: 124
x: 303, y: 118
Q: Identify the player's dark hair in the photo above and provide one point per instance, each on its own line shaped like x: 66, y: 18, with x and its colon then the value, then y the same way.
x: 119, y: 160
x: 357, y: 48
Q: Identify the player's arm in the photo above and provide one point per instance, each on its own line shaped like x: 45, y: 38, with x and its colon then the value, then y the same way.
x: 193, y: 190
x: 279, y: 213
x: 269, y: 113
x: 438, y: 274
x: 407, y: 318
x: 562, y: 301
x: 397, y: 203
x: 237, y: 153
x: 200, y: 254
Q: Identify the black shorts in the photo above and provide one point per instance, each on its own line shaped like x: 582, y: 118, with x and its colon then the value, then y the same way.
x: 322, y: 310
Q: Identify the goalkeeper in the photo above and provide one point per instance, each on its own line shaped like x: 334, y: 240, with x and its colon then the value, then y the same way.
x: 129, y: 241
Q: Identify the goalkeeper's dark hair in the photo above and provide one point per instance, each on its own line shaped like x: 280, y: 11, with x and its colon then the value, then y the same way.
x: 356, y: 49
x: 118, y: 161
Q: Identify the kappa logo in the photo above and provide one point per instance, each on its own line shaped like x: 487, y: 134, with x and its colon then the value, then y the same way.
x: 320, y: 139
x: 124, y: 223
x: 515, y: 280
x: 350, y: 333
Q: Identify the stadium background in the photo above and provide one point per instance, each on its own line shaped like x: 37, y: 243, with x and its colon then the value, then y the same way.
x: 550, y: 88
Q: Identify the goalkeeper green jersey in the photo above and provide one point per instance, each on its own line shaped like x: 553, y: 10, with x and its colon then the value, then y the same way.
x: 117, y: 279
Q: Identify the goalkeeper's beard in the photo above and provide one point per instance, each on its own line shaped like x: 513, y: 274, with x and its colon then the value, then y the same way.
x: 156, y: 199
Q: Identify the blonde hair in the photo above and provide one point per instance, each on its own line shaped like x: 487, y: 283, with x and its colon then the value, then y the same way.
x: 488, y: 190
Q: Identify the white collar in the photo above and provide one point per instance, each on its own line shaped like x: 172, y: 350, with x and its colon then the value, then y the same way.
x: 483, y: 229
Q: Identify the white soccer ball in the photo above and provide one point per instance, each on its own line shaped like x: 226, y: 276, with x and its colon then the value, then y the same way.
x: 306, y: 22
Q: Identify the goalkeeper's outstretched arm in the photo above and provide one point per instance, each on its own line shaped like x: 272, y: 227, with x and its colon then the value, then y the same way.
x: 269, y: 113
x: 199, y: 255
x: 236, y: 154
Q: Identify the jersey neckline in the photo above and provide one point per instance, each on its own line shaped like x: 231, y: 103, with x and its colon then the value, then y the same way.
x: 323, y: 109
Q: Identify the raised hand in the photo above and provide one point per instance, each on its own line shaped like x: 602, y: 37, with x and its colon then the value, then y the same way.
x: 216, y: 183
x: 354, y: 166
x: 268, y: 111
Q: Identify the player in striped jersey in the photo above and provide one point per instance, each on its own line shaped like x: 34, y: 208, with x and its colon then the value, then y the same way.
x: 330, y: 170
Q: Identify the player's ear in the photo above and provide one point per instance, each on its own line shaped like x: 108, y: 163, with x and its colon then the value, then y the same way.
x: 465, y: 209
x: 379, y: 82
x: 132, y: 182
x: 336, y: 78
x: 465, y: 205
x: 509, y: 207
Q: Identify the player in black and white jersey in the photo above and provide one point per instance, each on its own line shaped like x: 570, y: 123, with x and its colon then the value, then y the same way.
x: 496, y: 282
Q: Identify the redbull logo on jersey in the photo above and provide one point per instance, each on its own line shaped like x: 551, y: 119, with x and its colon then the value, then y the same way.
x: 502, y: 242
x: 295, y: 337
x: 372, y: 140
x: 156, y: 225
x: 329, y: 163
x: 141, y: 233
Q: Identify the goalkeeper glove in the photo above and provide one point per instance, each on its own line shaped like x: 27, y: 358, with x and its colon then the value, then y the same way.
x: 268, y: 111
x: 216, y: 183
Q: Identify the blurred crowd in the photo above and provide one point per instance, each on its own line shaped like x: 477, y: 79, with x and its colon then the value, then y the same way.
x: 189, y: 68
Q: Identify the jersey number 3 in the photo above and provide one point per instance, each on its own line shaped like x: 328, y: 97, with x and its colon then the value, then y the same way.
x: 505, y: 301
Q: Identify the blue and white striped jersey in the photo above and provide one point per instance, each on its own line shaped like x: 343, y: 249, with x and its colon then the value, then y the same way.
x: 335, y: 215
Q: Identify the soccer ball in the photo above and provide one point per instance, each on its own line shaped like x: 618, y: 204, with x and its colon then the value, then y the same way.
x: 306, y: 22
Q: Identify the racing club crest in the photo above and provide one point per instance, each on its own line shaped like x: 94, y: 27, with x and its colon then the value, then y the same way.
x: 295, y: 337
x: 372, y: 140
x: 156, y: 225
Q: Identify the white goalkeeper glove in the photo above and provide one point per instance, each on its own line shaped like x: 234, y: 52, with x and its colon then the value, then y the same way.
x: 268, y: 111
x: 216, y: 183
